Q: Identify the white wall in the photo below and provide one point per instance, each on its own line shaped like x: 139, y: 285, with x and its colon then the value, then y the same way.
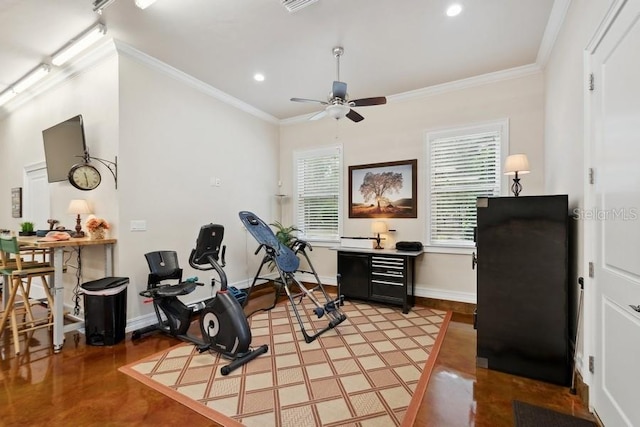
x: 565, y: 83
x: 92, y: 93
x: 171, y: 138
x: 396, y: 131
x: 174, y: 139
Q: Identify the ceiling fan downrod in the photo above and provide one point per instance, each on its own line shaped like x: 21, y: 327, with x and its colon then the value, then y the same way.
x: 337, y: 52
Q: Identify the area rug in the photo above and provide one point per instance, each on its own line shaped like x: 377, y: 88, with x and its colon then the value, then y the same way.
x: 527, y: 415
x: 372, y: 370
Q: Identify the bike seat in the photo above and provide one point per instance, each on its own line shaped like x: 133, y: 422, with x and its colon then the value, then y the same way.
x: 182, y: 288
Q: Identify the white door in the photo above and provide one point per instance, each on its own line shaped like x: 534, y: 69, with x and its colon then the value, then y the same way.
x: 36, y: 203
x: 36, y: 207
x: 615, y: 222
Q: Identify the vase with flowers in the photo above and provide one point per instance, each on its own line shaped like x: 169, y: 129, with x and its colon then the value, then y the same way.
x: 97, y: 228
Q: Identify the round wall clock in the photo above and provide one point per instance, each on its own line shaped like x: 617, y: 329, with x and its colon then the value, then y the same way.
x: 84, y: 176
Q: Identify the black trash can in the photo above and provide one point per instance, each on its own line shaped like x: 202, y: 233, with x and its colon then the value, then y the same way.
x: 105, y: 310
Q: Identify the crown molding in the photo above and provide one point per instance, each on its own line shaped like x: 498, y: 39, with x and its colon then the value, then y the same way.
x: 191, y: 81
x: 554, y: 25
x: 484, y: 79
x: 102, y: 50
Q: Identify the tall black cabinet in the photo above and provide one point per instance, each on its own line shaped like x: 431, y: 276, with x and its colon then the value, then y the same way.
x: 523, y: 299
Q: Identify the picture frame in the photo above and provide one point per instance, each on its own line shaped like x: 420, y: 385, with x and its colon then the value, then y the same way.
x: 16, y: 202
x: 384, y: 190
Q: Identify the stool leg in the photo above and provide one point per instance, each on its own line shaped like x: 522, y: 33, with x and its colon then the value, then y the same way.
x: 9, y: 307
x: 14, y: 320
x: 25, y: 298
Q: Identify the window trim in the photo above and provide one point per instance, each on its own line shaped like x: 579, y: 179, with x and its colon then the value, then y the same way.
x: 501, y: 125
x: 311, y: 153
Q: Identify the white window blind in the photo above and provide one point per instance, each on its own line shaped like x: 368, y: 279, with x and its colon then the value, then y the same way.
x: 462, y: 167
x: 318, y: 177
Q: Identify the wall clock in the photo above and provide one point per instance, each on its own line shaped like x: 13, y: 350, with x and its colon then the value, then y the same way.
x: 84, y: 176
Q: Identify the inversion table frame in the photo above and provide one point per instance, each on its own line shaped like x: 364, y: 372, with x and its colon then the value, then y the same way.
x: 287, y: 263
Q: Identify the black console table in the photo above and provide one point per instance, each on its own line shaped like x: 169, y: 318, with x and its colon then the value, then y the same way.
x: 381, y: 275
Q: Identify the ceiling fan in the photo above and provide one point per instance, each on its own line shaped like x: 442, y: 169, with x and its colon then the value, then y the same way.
x: 338, y: 104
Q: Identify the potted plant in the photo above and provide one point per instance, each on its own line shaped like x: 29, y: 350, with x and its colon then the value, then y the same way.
x: 285, y: 235
x: 26, y: 229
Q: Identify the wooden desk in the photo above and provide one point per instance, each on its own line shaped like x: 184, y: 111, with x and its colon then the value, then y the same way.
x: 56, y: 284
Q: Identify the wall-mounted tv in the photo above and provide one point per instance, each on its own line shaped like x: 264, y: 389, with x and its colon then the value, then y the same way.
x: 64, y: 146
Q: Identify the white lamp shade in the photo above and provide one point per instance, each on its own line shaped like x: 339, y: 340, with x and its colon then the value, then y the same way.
x: 79, y: 206
x: 379, y: 227
x: 516, y: 163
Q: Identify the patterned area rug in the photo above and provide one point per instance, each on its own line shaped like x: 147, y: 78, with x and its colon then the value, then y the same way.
x: 372, y: 370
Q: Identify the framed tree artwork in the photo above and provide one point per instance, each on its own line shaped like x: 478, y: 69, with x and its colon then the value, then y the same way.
x: 383, y: 190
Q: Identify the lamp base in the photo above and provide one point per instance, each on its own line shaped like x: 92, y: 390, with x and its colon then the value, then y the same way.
x: 516, y: 187
x: 377, y: 246
x: 79, y: 233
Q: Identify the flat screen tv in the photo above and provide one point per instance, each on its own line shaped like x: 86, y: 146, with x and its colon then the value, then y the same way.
x: 64, y: 146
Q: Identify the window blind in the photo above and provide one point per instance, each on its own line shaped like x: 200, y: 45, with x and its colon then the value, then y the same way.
x: 462, y: 168
x: 318, y: 179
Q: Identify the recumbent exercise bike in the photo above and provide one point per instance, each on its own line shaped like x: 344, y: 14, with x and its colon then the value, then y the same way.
x: 223, y: 325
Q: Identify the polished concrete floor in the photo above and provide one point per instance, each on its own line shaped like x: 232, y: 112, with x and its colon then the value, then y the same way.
x: 81, y: 386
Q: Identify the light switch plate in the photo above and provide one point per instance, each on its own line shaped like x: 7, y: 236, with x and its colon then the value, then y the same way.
x: 138, y: 225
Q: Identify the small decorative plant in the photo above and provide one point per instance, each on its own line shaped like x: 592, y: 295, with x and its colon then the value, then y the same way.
x: 26, y: 228
x: 285, y: 235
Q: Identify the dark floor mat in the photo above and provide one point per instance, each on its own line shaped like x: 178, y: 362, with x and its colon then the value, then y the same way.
x: 527, y: 415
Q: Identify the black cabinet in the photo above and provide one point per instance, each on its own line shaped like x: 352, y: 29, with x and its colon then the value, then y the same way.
x: 354, y: 275
x: 522, y: 310
x: 385, y: 277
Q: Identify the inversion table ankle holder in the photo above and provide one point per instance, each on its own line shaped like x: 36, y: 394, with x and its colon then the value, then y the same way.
x: 287, y: 263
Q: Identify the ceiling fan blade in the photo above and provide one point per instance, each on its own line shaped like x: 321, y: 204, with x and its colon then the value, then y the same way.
x: 319, y: 115
x: 364, y: 102
x: 311, y: 101
x: 339, y: 90
x: 353, y: 115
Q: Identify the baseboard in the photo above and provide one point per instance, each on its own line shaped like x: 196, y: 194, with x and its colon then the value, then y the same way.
x: 446, y: 305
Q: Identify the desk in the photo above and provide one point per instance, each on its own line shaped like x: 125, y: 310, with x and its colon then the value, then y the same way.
x: 382, y: 275
x: 56, y: 284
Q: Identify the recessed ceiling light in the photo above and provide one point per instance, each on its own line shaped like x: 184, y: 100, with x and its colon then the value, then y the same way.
x: 454, y: 10
x: 258, y: 77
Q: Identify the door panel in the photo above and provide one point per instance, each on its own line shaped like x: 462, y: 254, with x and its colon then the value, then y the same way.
x: 616, y: 195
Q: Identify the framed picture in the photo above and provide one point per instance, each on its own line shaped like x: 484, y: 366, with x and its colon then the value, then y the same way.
x: 383, y: 190
x: 16, y: 202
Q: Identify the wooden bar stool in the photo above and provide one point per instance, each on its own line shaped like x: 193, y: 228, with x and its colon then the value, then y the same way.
x: 20, y: 274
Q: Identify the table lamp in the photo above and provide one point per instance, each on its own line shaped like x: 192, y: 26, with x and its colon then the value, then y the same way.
x: 78, y: 207
x: 378, y: 227
x: 514, y: 165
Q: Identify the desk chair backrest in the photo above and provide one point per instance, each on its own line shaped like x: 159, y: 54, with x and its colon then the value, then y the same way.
x: 163, y: 266
x: 9, y: 245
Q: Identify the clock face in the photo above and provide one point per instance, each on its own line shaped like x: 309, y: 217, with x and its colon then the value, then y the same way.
x: 85, y: 177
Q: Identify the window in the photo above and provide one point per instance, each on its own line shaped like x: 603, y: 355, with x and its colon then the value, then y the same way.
x: 317, y: 199
x: 464, y: 164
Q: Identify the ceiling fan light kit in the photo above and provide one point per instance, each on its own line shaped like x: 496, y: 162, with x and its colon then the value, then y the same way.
x: 338, y: 104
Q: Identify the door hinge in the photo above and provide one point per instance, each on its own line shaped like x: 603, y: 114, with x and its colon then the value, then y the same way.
x: 592, y: 363
x: 591, y: 269
x: 592, y: 176
x: 592, y: 84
